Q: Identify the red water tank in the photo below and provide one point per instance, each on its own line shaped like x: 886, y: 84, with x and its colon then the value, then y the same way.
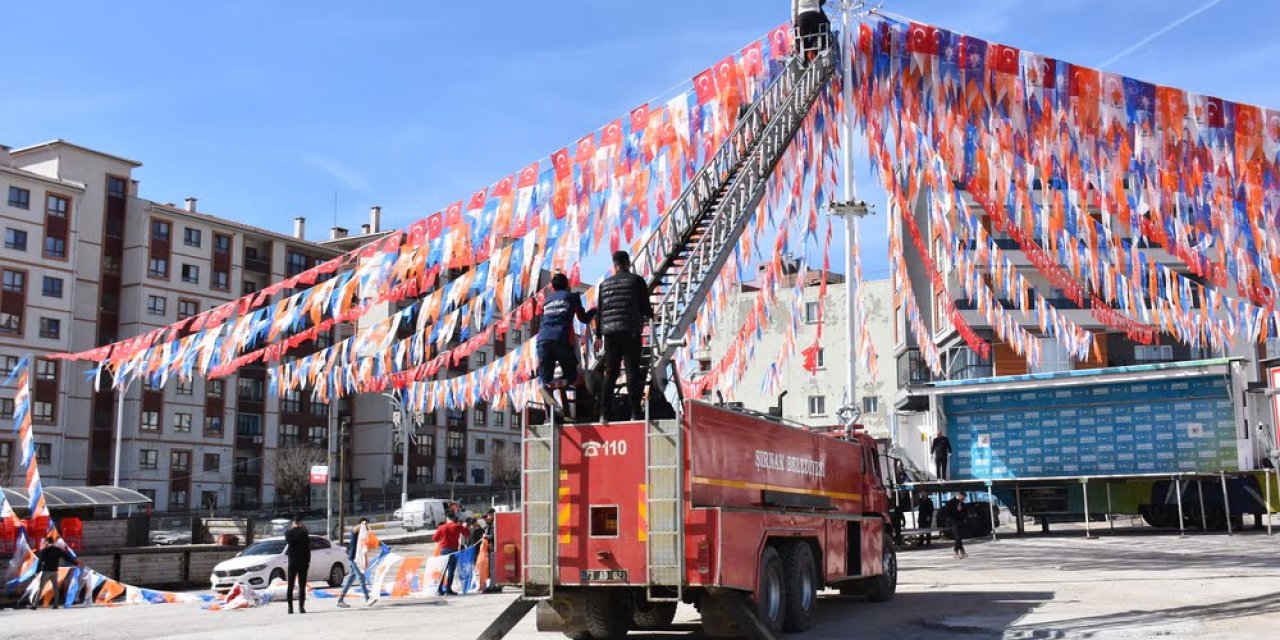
x: 36, y: 528
x: 73, y: 532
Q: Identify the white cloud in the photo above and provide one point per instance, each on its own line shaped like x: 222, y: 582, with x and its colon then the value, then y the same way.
x: 345, y: 176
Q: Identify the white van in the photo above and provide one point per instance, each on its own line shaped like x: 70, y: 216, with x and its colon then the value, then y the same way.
x: 423, y: 513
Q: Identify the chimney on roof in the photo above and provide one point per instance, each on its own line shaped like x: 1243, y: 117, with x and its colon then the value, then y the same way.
x: 364, y: 229
x: 337, y: 232
x: 191, y: 204
x: 375, y: 218
x: 4, y: 156
x: 300, y: 228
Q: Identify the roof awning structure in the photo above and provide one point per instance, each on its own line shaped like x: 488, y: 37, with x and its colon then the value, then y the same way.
x: 78, y: 497
x: 1132, y: 373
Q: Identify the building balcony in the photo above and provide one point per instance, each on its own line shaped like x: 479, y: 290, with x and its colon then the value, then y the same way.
x: 912, y: 369
x: 257, y: 265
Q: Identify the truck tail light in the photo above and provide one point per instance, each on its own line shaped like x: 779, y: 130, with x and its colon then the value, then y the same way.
x: 604, y: 521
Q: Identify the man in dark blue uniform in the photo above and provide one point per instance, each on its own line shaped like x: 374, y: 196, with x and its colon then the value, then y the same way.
x: 555, y: 335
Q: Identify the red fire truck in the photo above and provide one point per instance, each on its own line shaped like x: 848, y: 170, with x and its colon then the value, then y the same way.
x: 741, y: 515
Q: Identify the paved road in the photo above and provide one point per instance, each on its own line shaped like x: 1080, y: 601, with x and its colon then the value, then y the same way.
x: 1126, y: 587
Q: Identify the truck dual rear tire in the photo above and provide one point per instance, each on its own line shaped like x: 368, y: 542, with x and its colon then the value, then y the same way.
x: 882, y: 587
x: 801, y: 587
x: 771, y: 597
x: 653, y: 616
x: 609, y: 613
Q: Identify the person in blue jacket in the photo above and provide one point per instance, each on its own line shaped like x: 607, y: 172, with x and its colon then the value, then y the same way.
x: 555, y: 345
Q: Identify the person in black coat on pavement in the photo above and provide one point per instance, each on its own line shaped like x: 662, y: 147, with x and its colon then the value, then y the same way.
x: 298, y: 549
x: 956, y: 511
x: 50, y: 557
x: 624, y: 309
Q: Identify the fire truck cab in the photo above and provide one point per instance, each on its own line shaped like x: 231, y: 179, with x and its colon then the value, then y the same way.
x: 730, y: 511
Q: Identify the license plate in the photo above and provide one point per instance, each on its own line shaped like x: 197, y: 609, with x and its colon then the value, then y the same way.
x: 604, y: 575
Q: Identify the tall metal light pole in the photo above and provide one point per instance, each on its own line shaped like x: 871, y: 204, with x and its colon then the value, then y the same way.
x: 328, y: 461
x: 115, y: 482
x: 850, y: 209
x: 398, y: 418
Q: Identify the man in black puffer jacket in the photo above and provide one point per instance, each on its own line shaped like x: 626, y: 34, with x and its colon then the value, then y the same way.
x: 624, y: 308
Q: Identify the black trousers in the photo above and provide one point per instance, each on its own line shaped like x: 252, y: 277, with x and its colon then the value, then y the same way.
x: 620, y: 349
x: 553, y: 352
x: 955, y: 533
x: 297, y: 573
x: 941, y: 463
x: 814, y: 30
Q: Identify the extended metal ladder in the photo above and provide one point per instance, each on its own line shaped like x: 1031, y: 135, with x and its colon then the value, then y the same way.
x: 689, y: 248
x: 539, y: 488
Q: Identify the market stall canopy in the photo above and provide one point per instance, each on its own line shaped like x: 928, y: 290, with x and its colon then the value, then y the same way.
x: 79, y: 497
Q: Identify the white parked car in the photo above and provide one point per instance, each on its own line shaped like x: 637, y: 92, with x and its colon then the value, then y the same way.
x: 263, y: 562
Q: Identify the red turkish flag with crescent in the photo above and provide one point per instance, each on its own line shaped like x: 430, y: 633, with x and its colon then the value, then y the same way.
x: 501, y: 189
x: 453, y: 214
x: 753, y: 59
x: 704, y: 86
x: 612, y: 134
x: 528, y: 176
x: 922, y: 38
x: 417, y: 233
x: 780, y: 42
x: 586, y: 148
x: 562, y: 163
x: 1004, y: 58
x: 1214, y: 112
x: 477, y: 200
x: 640, y: 118
x: 435, y: 224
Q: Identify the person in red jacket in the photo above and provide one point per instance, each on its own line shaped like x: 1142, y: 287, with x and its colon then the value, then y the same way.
x: 450, y: 537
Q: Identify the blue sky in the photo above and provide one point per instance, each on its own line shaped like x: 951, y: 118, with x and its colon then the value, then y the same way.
x: 264, y: 109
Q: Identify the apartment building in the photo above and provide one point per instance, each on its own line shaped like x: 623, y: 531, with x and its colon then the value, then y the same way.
x: 454, y: 447
x: 811, y: 397
x: 87, y: 261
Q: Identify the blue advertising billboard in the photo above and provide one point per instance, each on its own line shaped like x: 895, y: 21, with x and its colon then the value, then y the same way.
x: 1184, y: 424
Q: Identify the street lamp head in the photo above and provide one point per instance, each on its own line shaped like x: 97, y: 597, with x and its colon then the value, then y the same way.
x: 854, y: 208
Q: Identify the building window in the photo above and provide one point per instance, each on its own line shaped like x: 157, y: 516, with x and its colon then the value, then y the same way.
x: 178, y: 500
x: 149, y: 459
x: 481, y: 414
x: 498, y: 418
x: 821, y: 359
x: 15, y: 281
x: 56, y: 206
x: 110, y: 266
x: 456, y: 444
x: 191, y: 237
x: 158, y: 268
x: 179, y: 460
x: 426, y: 446
x: 479, y: 446
x: 52, y: 287
x: 182, y: 423
x: 213, y: 426
x: 290, y: 435
x: 291, y: 401
x: 46, y: 370
x: 6, y: 451
x: 160, y: 230
x: 42, y: 411
x: 50, y: 328
x: 515, y: 422
x: 19, y: 198
x: 115, y: 187
x: 187, y: 308
x: 221, y: 280
x: 516, y: 336
x: 1143, y: 354
x: 191, y: 273
x: 15, y: 239
x: 249, y: 389
x: 55, y: 247
x: 213, y: 388
x: 249, y: 425
x: 477, y: 475
x: 871, y: 404
x: 422, y: 475
x: 44, y: 453
x: 6, y: 407
x: 318, y: 437
x: 184, y: 387
x: 817, y: 405
x: 212, y: 462
x: 811, y: 312
x: 156, y: 305
x: 248, y: 286
x: 151, y: 421
x: 1055, y: 357
x: 152, y: 384
x: 10, y: 323
x: 295, y: 263
x: 481, y: 358
x: 221, y: 243
x: 8, y: 364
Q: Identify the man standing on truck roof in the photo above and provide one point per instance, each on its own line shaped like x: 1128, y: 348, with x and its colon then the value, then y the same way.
x: 624, y: 308
x: 555, y: 343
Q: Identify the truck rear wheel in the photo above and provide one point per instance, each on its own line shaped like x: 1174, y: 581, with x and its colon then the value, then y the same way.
x: 801, y: 587
x: 771, y: 596
x: 609, y: 613
x: 882, y: 587
x: 653, y: 616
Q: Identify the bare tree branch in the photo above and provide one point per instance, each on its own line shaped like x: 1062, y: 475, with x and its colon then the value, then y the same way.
x: 504, y: 464
x: 293, y: 473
